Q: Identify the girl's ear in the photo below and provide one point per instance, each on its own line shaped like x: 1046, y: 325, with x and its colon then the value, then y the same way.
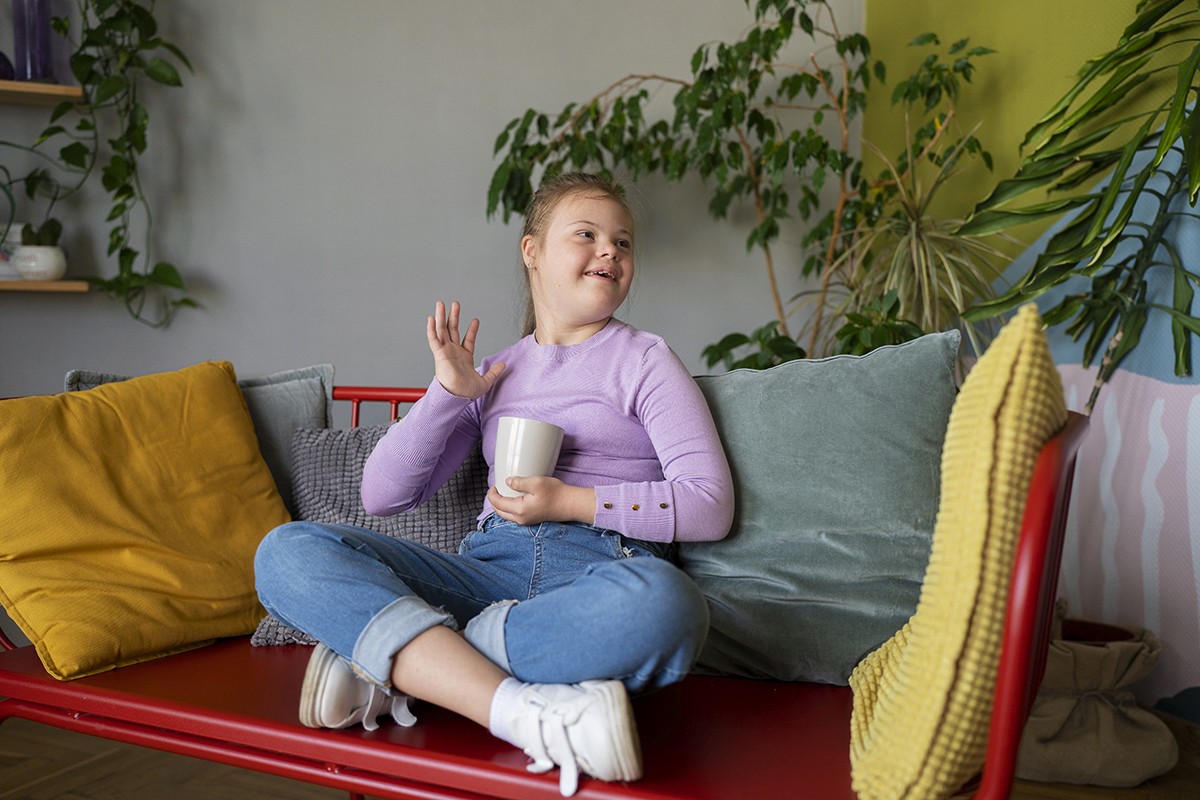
x: 528, y: 250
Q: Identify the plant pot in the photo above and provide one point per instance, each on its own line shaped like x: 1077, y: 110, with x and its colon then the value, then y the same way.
x: 40, y: 262
x: 1086, y: 726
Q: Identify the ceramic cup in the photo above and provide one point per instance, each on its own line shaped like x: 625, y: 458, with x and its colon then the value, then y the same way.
x: 525, y: 448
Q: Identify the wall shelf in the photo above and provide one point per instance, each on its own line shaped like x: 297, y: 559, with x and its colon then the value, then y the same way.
x: 32, y: 93
x: 44, y: 286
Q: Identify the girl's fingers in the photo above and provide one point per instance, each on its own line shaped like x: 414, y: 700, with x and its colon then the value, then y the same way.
x: 431, y: 332
x: 439, y: 321
x: 468, y: 341
x: 442, y: 327
x: 452, y: 322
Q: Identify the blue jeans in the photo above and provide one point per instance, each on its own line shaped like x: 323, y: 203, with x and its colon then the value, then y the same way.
x: 552, y: 603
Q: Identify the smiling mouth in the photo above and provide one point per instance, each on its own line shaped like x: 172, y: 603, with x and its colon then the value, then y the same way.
x: 601, y: 273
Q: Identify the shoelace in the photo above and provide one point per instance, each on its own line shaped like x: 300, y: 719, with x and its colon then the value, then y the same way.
x: 552, y: 729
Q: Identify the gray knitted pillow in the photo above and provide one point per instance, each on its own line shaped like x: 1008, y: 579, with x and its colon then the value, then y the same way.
x: 327, y: 480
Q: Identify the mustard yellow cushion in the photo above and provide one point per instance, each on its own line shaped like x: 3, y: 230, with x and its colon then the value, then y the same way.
x: 130, y: 518
x: 922, y: 701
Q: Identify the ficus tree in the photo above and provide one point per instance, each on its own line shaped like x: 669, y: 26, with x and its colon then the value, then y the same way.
x: 775, y: 135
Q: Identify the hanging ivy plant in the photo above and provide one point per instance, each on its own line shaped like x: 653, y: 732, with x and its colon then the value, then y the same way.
x: 116, y: 48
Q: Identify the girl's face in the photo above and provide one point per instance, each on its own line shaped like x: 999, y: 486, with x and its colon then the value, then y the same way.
x: 580, y: 267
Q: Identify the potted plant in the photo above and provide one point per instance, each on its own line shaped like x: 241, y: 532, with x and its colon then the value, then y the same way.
x: 39, y: 258
x: 756, y: 129
x: 116, y: 47
x: 1151, y: 157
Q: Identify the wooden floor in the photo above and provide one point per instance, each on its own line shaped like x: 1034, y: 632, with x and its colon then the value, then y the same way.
x: 42, y: 763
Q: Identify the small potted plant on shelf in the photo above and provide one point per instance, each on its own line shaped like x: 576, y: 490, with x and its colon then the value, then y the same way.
x: 39, y: 258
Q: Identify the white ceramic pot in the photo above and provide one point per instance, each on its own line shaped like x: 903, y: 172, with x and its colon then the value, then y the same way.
x: 40, y: 263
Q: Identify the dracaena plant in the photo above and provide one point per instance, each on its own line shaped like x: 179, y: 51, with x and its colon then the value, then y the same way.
x: 1149, y: 157
x: 758, y: 130
x: 915, y: 260
x: 116, y: 47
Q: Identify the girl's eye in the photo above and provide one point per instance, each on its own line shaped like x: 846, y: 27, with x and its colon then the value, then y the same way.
x: 624, y: 244
x: 588, y: 234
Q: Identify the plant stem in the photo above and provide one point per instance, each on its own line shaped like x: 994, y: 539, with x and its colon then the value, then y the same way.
x: 835, y: 233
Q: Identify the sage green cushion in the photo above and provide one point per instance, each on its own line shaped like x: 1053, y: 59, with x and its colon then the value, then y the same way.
x: 836, y: 467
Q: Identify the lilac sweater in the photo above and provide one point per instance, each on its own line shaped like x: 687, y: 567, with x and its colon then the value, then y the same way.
x: 637, y: 429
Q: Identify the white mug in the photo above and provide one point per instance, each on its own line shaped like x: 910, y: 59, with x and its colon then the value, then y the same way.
x: 525, y: 448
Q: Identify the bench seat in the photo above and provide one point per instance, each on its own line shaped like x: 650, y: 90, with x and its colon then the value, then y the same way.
x: 706, y: 738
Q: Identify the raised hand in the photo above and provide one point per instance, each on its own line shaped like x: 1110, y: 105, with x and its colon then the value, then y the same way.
x: 454, y: 358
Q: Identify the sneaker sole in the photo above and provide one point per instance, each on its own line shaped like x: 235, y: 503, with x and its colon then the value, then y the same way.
x: 627, y: 750
x: 311, y: 694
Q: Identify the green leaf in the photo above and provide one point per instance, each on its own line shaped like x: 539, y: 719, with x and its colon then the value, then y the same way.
x: 116, y: 239
x: 102, y: 6
x: 1191, y: 155
x: 992, y: 221
x: 1114, y: 89
x: 1066, y: 308
x: 732, y: 341
x: 127, y: 259
x: 61, y: 110
x: 1148, y: 14
x: 163, y: 71
x: 109, y: 87
x: 1116, y: 187
x: 501, y: 140
x: 75, y: 154
x: 1182, y: 301
x: 53, y: 130
x: 82, y: 66
x: 1179, y: 104
x: 144, y: 21
x: 497, y: 186
x: 165, y: 274
x: 1036, y: 135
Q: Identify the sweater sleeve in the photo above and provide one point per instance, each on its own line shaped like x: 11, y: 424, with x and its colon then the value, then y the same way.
x: 694, y: 502
x: 419, y: 453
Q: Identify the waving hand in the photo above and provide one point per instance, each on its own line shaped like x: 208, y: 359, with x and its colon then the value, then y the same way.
x: 454, y: 358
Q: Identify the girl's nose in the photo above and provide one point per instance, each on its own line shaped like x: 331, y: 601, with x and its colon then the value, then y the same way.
x: 607, y: 247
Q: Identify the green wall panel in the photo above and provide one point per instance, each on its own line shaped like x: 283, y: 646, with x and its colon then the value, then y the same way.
x: 1040, y: 44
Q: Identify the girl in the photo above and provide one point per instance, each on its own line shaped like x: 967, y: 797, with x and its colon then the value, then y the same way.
x: 563, y: 600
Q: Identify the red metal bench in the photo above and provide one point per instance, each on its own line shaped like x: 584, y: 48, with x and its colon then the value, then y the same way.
x: 706, y: 737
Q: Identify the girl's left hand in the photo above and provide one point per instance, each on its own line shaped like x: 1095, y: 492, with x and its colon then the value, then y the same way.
x: 545, y: 500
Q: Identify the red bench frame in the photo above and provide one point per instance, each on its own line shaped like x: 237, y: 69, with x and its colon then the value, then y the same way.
x: 706, y: 737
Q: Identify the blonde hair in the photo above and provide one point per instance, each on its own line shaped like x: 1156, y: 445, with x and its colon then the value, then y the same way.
x: 541, y: 207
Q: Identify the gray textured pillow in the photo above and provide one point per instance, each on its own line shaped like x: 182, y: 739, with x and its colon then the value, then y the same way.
x: 836, y: 466
x: 279, y: 404
x: 328, y: 481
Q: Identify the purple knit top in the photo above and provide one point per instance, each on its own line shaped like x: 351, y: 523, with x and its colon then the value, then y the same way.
x: 637, y: 429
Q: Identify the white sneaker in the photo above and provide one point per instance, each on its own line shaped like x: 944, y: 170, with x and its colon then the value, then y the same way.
x: 333, y: 696
x: 585, y: 727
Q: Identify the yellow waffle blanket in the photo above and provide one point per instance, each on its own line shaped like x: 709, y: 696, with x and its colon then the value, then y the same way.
x: 922, y: 701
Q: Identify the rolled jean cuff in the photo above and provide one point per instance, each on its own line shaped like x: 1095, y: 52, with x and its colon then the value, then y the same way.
x: 389, y: 631
x: 485, y: 632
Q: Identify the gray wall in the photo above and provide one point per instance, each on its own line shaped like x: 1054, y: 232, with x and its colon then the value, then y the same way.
x: 321, y: 180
